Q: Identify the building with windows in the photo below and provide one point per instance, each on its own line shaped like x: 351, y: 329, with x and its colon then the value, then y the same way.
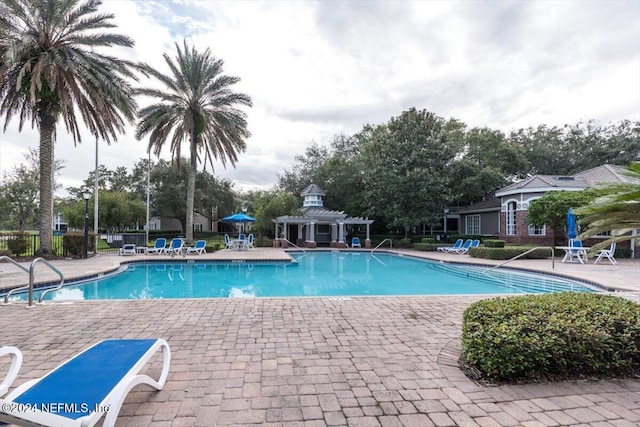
x: 316, y: 225
x: 505, y: 215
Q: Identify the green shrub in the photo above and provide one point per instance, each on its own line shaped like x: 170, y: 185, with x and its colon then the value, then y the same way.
x: 508, y: 253
x: 73, y: 243
x: 428, y: 240
x: 18, y: 244
x: 426, y: 246
x: 494, y: 243
x: 552, y: 336
x: 403, y: 243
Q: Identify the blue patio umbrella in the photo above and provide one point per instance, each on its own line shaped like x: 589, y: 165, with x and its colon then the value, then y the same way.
x: 239, y: 217
x: 572, y: 227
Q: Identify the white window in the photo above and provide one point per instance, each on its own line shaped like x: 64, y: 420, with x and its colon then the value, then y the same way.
x: 511, y: 218
x: 197, y: 227
x: 534, y: 230
x: 472, y: 224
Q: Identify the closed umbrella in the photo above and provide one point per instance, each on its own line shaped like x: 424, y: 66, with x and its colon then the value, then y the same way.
x: 572, y: 228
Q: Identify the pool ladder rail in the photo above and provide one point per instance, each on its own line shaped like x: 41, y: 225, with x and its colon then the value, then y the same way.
x: 31, y: 272
x: 382, y: 243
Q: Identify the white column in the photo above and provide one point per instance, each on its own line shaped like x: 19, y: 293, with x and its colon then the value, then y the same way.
x: 312, y: 226
x: 341, y: 232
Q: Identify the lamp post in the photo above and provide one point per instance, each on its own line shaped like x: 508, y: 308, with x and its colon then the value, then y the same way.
x: 86, y: 195
x: 446, y: 211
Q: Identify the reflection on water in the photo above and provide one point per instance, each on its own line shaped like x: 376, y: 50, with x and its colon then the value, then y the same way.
x: 245, y: 292
x: 68, y: 294
x: 316, y: 274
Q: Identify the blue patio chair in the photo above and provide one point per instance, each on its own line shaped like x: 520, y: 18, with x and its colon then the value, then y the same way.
x: 228, y: 244
x: 175, y: 247
x: 355, y: 242
x: 250, y: 241
x: 465, y: 248
x: 158, y: 247
x: 457, y: 245
x: 85, y: 388
x: 577, y: 253
x: 199, y: 248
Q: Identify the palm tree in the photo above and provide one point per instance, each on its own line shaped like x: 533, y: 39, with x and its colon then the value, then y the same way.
x: 617, y: 212
x: 196, y: 105
x: 52, y: 72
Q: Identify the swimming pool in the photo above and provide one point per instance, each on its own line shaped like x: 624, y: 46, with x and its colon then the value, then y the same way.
x: 313, y: 274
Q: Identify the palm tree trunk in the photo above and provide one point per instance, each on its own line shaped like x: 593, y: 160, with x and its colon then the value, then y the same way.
x: 45, y: 216
x: 191, y: 190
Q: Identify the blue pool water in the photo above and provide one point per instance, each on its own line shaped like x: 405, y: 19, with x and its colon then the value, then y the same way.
x: 314, y: 274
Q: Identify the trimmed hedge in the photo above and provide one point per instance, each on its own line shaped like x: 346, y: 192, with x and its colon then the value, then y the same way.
x: 74, y: 243
x: 508, y: 253
x: 493, y: 243
x: 551, y: 336
x: 427, y: 246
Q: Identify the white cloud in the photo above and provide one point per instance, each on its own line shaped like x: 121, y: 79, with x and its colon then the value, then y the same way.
x: 316, y: 69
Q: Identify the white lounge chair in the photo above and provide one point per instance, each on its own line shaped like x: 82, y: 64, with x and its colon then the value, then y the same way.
x: 128, y: 249
x: 457, y: 245
x: 199, y: 248
x: 249, y: 244
x: 16, y: 362
x: 158, y: 246
x: 355, y: 242
x: 85, y: 388
x: 607, y: 253
x: 175, y: 247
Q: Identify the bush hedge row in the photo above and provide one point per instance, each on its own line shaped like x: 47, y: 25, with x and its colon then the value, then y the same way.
x: 508, y: 253
x: 551, y: 336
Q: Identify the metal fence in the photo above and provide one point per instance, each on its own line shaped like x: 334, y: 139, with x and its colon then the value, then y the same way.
x: 106, y: 243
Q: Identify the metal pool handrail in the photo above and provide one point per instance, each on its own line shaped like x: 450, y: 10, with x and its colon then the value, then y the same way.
x: 381, y: 243
x: 553, y: 256
x: 291, y: 243
x: 32, y: 279
x: 21, y: 267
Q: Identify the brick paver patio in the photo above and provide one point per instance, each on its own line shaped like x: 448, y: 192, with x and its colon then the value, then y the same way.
x: 370, y: 361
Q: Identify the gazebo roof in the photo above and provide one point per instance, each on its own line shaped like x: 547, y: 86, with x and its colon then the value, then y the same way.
x: 313, y: 190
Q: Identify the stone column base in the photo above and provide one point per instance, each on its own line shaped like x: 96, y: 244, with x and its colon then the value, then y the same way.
x: 311, y: 244
x: 367, y: 243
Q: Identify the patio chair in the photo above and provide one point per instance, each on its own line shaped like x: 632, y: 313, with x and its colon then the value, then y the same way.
x: 462, y: 249
x: 465, y: 248
x: 456, y: 245
x: 158, y: 247
x: 249, y: 244
x: 355, y: 242
x: 578, y: 254
x: 16, y: 362
x: 128, y: 249
x: 228, y: 244
x: 199, y: 248
x: 176, y: 247
x: 85, y: 388
x: 607, y: 253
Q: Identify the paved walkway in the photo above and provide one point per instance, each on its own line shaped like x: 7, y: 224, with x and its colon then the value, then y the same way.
x: 376, y: 361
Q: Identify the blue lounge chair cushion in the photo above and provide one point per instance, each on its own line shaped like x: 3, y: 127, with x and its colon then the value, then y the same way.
x: 83, y: 382
x: 86, y: 388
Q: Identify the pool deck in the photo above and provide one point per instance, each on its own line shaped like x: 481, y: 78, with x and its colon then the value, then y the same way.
x: 318, y: 361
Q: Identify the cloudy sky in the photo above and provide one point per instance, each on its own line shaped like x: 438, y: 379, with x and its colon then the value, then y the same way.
x: 317, y: 69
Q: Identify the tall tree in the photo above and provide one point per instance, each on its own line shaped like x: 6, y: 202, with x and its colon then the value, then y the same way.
x: 54, y: 69
x: 196, y: 105
x: 406, y: 168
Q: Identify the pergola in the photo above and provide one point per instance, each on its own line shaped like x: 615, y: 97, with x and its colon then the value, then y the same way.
x: 315, y: 220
